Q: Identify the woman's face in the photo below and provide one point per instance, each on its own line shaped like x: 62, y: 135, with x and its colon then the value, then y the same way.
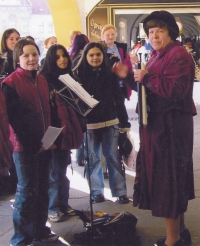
x: 159, y: 37
x: 29, y: 59
x: 51, y: 42
x: 12, y: 40
x: 94, y: 57
x: 62, y: 60
x: 72, y: 38
x: 109, y: 36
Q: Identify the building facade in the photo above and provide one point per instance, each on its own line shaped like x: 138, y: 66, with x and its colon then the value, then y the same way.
x: 29, y: 17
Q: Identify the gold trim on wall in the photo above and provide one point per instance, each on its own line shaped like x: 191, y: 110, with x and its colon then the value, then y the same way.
x: 95, y: 34
x: 197, y: 17
x: 147, y: 5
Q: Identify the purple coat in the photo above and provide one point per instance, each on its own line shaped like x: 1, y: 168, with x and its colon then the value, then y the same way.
x: 164, y: 168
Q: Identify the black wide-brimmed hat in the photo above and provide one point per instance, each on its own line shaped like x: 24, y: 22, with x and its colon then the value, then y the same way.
x: 167, y: 18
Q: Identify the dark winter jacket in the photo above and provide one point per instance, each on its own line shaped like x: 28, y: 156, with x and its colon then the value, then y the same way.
x: 62, y: 114
x: 6, y: 64
x: 104, y: 87
x: 27, y: 102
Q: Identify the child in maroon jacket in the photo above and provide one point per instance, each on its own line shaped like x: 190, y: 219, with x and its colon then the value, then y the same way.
x: 27, y: 103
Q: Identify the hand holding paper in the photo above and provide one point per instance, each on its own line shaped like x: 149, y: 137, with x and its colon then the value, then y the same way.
x: 50, y: 136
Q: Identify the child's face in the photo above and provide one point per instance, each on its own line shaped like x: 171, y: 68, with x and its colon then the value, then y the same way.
x: 109, y: 36
x: 62, y: 60
x: 29, y: 59
x: 51, y: 42
x: 94, y: 57
x: 12, y: 40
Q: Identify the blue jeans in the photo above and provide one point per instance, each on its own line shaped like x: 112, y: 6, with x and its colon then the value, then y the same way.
x: 58, y: 181
x: 31, y: 199
x: 108, y: 138
x: 81, y: 151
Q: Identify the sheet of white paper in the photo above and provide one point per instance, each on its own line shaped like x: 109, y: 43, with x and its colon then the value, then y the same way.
x: 50, y: 136
x: 78, y: 89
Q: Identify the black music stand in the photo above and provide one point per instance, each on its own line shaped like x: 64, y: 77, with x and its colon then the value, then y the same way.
x: 83, y: 109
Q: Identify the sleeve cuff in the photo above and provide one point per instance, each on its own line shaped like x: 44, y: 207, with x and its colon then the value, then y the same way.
x: 122, y: 130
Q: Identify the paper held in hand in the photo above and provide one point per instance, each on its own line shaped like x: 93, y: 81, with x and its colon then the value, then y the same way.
x: 50, y: 136
x: 78, y: 90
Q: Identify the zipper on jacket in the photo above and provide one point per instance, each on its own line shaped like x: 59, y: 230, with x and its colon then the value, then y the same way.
x: 35, y: 82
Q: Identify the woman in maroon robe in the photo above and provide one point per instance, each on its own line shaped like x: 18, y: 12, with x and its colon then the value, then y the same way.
x: 164, y: 180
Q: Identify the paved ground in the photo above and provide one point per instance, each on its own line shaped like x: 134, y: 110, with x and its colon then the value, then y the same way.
x: 149, y: 228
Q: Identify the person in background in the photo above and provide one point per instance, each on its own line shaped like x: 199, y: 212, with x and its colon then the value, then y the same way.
x: 141, y: 53
x: 136, y: 46
x: 57, y: 63
x: 29, y: 38
x: 119, y: 51
x: 104, y: 122
x: 72, y: 35
x: 8, y: 41
x: 164, y: 181
x: 148, y: 49
x: 27, y: 104
x: 116, y: 52
x: 48, y: 42
x: 78, y: 44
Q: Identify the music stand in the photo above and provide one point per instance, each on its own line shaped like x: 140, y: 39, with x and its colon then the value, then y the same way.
x: 71, y: 97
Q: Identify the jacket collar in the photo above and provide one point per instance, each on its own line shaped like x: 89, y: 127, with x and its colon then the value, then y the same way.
x: 26, y: 73
x: 163, y: 51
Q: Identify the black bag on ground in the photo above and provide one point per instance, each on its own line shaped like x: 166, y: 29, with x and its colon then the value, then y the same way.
x: 109, y: 229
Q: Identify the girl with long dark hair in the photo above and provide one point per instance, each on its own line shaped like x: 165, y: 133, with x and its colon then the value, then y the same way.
x: 104, y: 122
x: 57, y: 62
